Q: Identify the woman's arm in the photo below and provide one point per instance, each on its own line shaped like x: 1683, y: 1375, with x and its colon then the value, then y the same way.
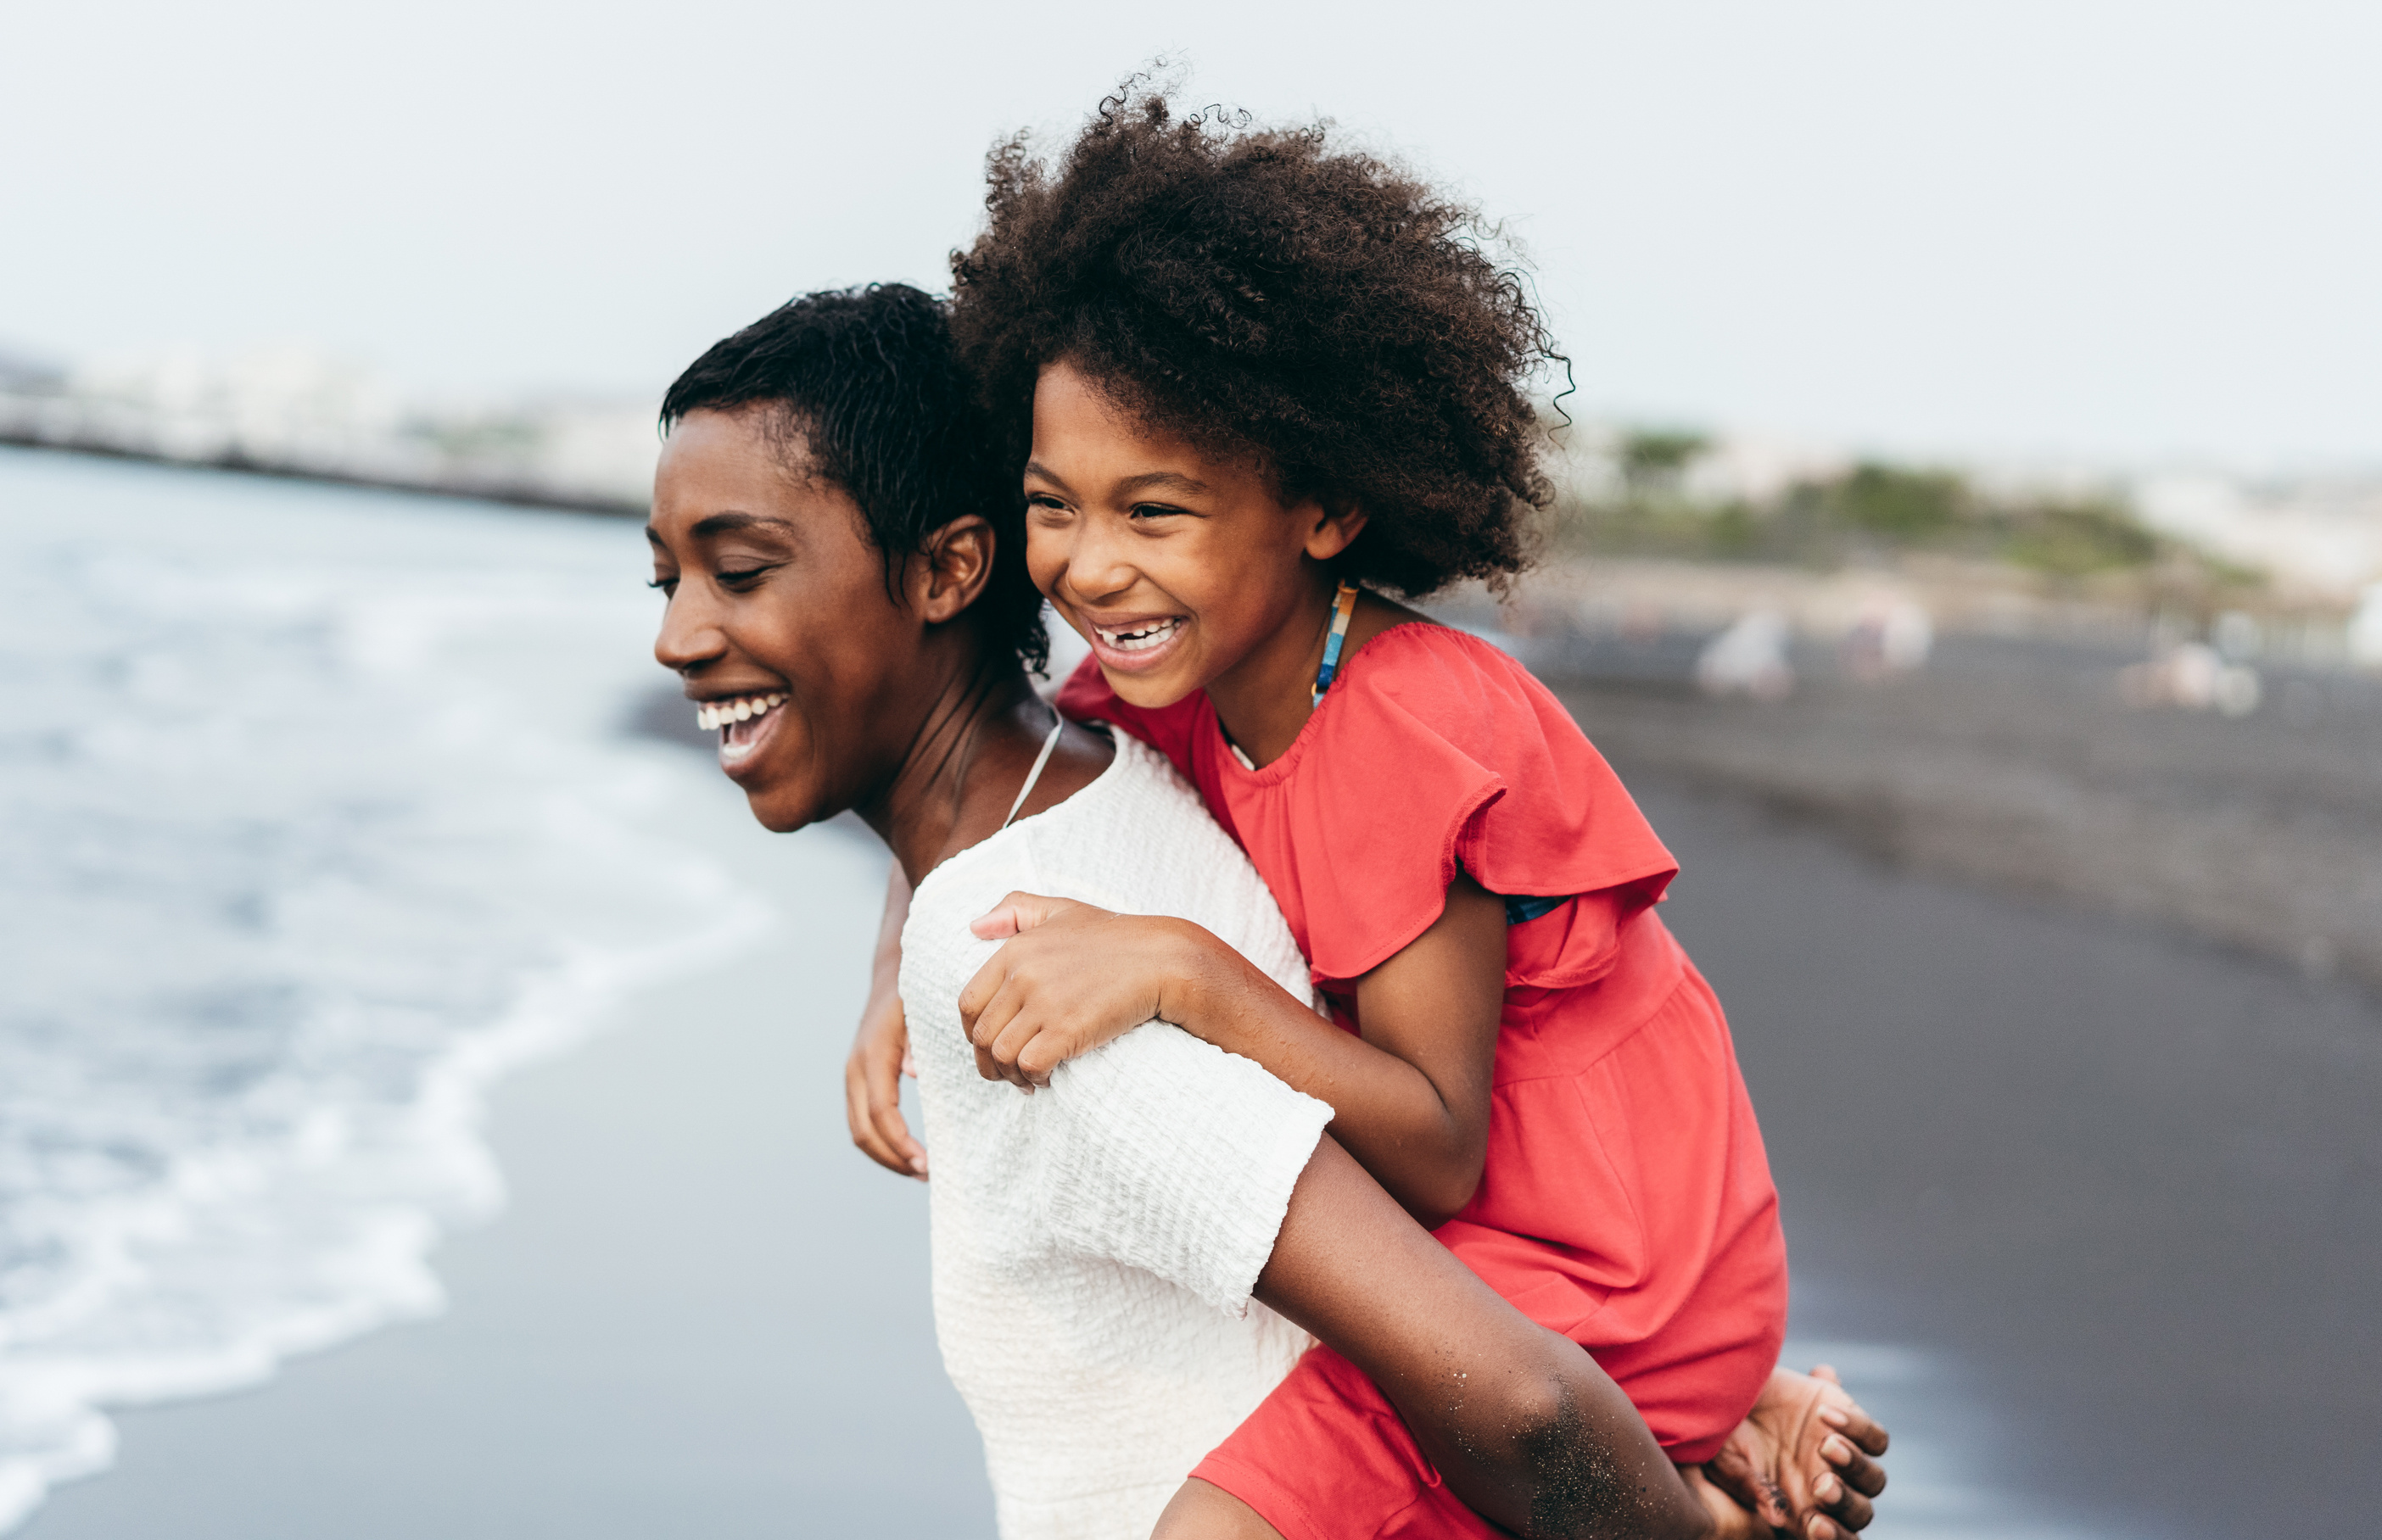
x: 872, y: 1076
x: 1409, y: 1098
x: 1522, y: 1423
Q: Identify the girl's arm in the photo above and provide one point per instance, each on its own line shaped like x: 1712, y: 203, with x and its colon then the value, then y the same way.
x: 1409, y: 1098
x: 872, y: 1076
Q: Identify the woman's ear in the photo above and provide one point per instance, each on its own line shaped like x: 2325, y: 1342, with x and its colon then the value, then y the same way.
x: 1333, y: 527
x: 950, y: 572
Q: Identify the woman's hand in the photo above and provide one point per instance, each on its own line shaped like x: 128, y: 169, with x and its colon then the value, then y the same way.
x: 1070, y: 978
x: 1803, y: 1461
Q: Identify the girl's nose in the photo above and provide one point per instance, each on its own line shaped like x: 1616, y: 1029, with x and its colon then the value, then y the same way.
x: 1099, y: 565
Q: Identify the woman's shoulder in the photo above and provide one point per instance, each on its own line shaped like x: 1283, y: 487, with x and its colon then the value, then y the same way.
x: 1086, y: 697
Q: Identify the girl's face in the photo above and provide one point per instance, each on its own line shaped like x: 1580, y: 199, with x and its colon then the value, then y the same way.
x: 1178, y: 569
x: 777, y: 610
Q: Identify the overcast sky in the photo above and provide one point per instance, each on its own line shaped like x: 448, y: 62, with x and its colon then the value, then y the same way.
x: 2126, y: 230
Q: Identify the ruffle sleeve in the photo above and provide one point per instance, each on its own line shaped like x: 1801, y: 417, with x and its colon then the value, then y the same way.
x: 1436, y: 751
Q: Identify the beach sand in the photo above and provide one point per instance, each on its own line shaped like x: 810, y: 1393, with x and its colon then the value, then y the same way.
x: 2090, y: 1211
x: 703, y: 1313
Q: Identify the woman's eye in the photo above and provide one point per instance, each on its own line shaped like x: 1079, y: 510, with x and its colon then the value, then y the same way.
x: 746, y: 576
x: 668, y: 585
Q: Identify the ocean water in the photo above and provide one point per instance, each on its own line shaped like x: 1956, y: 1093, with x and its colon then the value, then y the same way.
x: 316, y: 815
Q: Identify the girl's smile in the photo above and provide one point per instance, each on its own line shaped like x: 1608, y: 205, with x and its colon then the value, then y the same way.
x: 1182, y: 569
x: 1185, y: 569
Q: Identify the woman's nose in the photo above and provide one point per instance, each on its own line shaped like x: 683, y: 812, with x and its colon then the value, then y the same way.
x: 690, y: 635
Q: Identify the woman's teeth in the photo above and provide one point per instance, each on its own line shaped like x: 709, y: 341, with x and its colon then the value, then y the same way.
x: 720, y: 713
x: 1140, y: 639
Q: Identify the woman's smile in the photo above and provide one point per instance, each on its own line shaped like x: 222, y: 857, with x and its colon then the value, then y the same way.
x: 744, y: 723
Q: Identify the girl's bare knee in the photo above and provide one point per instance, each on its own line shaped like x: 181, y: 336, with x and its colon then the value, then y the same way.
x: 1204, y: 1511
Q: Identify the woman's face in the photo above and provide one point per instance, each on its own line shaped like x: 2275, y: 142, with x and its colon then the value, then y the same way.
x: 778, y: 619
x: 1175, y: 567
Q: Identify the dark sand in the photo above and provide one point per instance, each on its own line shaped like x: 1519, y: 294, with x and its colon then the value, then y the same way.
x: 2109, y: 1199
x: 2088, y: 1209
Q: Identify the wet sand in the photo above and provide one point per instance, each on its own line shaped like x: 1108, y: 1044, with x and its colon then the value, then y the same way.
x: 701, y: 1313
x: 2088, y: 1209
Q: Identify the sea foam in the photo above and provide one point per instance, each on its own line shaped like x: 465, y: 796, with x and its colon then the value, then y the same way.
x: 316, y: 817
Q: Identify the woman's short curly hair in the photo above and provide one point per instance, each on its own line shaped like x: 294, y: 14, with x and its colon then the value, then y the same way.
x: 1257, y: 289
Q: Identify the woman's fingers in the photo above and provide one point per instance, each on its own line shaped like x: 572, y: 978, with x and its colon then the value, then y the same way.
x: 1841, y: 1503
x: 1847, y: 1418
x: 1860, y: 1471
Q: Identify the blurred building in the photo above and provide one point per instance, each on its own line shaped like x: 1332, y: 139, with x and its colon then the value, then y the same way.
x: 292, y: 410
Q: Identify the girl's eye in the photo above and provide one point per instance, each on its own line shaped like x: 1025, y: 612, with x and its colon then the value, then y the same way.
x: 668, y: 585
x: 747, y: 575
x: 1151, y: 510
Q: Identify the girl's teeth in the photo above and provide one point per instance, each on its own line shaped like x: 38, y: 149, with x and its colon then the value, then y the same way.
x: 1142, y: 639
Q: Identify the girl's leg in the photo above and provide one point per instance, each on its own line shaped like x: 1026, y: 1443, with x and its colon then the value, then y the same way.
x: 1203, y: 1512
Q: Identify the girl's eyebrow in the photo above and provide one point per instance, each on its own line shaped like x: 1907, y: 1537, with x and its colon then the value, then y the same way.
x: 1171, y: 480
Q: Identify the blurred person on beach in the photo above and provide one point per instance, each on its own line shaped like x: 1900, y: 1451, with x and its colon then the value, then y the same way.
x: 1261, y: 385
x: 848, y: 603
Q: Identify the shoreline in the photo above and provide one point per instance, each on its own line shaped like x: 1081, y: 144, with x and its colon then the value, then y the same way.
x: 700, y: 1310
x: 512, y: 491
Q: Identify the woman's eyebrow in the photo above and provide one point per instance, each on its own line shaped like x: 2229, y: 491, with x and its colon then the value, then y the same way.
x: 721, y: 523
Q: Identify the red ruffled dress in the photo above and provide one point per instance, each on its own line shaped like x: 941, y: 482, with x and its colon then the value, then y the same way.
x: 1627, y: 1201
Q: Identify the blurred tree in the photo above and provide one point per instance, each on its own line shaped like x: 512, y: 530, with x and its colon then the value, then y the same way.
x: 2071, y: 539
x: 1654, y: 459
x: 1910, y: 504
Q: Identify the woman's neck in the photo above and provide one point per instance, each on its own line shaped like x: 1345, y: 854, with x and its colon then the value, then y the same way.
x: 967, y: 754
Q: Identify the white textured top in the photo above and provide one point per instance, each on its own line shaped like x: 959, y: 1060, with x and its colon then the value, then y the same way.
x: 1095, y: 1242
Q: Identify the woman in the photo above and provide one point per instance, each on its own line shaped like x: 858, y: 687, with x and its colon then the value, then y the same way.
x: 827, y: 525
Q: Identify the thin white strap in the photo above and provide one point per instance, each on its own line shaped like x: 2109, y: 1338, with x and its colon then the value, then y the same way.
x: 1035, y: 774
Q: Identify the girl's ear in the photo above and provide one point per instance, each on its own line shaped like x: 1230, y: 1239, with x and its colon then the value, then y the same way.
x: 952, y: 572
x: 1332, y: 527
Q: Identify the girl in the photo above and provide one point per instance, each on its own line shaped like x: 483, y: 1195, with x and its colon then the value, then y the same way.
x: 827, y: 525
x: 1262, y: 381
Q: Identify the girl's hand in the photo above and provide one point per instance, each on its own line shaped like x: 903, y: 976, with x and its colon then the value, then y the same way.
x: 1070, y: 978
x: 872, y: 1089
x: 880, y: 1050
x: 1803, y: 1461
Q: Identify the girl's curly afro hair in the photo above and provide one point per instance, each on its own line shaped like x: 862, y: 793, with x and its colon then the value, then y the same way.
x: 1256, y: 289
